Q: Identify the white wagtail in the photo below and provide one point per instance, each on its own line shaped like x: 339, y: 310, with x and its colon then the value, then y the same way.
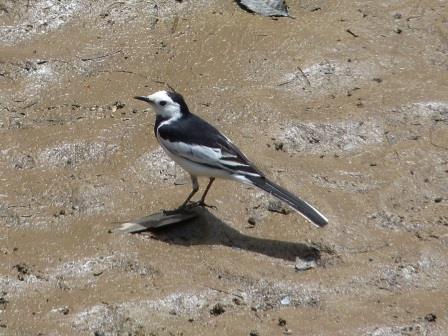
x: 202, y: 150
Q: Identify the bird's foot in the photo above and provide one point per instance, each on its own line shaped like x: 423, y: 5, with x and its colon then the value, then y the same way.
x: 200, y: 203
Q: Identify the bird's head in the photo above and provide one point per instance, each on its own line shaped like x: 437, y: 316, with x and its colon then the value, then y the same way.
x: 166, y: 104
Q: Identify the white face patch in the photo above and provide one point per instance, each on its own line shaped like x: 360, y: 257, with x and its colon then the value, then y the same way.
x: 164, y: 105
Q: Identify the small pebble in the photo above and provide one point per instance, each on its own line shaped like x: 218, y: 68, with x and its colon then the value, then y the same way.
x: 278, y: 145
x: 285, y: 301
x: 119, y: 104
x: 431, y: 317
x: 237, y: 301
x: 304, y: 264
x: 3, y: 301
x: 62, y: 310
x: 252, y: 221
x: 217, y: 309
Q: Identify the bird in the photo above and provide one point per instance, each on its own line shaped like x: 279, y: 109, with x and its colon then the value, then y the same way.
x: 203, y: 151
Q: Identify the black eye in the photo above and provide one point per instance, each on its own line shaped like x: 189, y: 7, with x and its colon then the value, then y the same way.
x: 162, y: 103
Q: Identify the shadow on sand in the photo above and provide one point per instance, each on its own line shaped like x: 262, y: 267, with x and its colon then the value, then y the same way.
x: 207, y: 229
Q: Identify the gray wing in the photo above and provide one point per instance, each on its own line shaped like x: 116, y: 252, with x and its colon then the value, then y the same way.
x: 199, y: 142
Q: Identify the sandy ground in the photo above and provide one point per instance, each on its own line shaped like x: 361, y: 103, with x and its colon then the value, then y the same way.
x: 345, y: 105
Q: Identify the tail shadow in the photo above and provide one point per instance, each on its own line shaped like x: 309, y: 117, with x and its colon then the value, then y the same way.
x: 207, y: 229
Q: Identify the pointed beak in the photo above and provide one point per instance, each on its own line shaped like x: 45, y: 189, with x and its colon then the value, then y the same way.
x: 144, y: 98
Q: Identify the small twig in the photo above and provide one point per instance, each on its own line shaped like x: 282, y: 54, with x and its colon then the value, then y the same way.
x: 30, y: 104
x: 171, y: 88
x: 84, y: 59
x: 351, y: 33
x: 296, y: 77
x: 128, y: 72
x: 288, y: 81
x: 121, y: 71
x: 304, y: 75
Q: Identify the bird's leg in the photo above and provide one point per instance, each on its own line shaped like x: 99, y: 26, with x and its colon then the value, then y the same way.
x: 194, y: 182
x: 201, y: 202
x: 184, y: 206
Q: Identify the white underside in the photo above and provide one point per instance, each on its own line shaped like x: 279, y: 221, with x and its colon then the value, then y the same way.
x: 198, y: 169
x: 201, y: 170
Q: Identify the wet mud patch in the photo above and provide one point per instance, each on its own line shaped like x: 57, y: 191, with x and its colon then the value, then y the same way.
x: 332, y: 77
x: 414, y: 329
x: 72, y: 275
x: 357, y: 107
x: 74, y: 154
x: 194, y: 306
x: 418, y: 121
x: 91, y: 198
x: 155, y: 167
x: 265, y: 295
x: 346, y: 181
x: 338, y: 137
x: 125, y: 317
x: 26, y: 19
x: 393, y: 221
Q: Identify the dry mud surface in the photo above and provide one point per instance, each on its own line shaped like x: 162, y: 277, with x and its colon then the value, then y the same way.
x: 346, y: 105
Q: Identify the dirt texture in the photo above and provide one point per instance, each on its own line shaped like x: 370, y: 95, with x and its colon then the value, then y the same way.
x: 345, y: 104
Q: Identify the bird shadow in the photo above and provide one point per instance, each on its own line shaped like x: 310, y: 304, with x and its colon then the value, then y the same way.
x: 207, y: 229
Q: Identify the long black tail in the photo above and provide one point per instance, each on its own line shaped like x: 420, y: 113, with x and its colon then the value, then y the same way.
x: 296, y: 203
